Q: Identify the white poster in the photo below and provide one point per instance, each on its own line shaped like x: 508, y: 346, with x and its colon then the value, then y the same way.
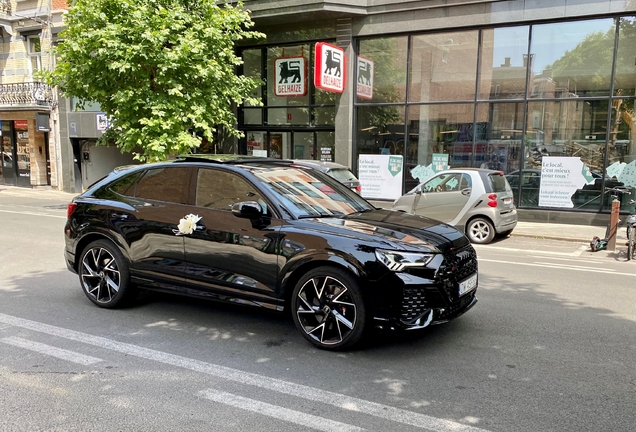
x: 561, y: 177
x: 380, y: 176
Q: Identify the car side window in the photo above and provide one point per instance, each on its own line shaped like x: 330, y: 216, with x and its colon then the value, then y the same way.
x: 220, y: 190
x: 125, y: 186
x: 170, y: 184
x: 443, y: 183
x: 466, y: 182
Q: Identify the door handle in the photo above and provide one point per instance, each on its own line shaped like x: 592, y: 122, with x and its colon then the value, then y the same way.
x: 200, y: 227
x: 122, y: 216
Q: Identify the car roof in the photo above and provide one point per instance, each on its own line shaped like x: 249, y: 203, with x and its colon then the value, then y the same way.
x: 321, y: 165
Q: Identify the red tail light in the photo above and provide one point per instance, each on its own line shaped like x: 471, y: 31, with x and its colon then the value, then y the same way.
x: 70, y: 209
x: 493, y: 200
x: 358, y: 188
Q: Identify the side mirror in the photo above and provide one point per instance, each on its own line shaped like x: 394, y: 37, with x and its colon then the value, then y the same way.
x: 247, y: 210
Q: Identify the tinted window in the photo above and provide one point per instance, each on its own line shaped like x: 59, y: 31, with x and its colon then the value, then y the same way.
x: 221, y: 190
x: 499, y: 183
x: 165, y: 184
x: 125, y: 186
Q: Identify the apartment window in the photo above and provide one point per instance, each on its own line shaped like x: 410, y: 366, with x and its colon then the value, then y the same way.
x: 34, y: 51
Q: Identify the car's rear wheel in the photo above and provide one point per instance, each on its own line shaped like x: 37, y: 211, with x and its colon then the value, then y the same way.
x: 104, y: 276
x: 328, y: 308
x: 480, y: 231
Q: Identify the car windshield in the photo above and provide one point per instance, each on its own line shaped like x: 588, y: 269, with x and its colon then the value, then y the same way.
x: 342, y: 174
x: 499, y: 183
x: 310, y: 193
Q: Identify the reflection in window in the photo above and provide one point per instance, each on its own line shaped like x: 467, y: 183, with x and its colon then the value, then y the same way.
x: 572, y: 59
x: 389, y: 58
x: 443, y: 67
x: 165, y: 184
x: 503, y: 63
x: 221, y: 190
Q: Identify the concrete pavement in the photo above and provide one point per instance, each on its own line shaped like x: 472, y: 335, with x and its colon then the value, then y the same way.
x: 577, y: 233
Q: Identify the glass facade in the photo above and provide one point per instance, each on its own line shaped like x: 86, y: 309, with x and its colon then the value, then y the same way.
x: 505, y: 99
x: 294, y: 120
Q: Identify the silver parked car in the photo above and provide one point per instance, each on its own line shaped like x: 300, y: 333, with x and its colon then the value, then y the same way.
x: 477, y: 201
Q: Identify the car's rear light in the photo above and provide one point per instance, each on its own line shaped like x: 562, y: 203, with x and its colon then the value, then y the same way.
x: 493, y: 200
x: 358, y: 188
x: 70, y: 209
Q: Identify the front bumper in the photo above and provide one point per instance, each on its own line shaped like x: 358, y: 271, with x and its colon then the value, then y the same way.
x: 412, y: 301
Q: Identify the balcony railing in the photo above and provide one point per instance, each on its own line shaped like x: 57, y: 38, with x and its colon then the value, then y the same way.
x: 26, y: 94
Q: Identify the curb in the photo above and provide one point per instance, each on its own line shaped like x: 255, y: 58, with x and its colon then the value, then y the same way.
x: 551, y: 237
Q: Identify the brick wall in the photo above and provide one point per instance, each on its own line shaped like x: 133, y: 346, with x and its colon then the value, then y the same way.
x: 59, y: 4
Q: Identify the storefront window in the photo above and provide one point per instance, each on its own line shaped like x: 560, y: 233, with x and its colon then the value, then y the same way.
x: 252, y: 67
x: 503, y: 68
x: 498, y: 136
x: 388, y: 56
x: 438, y: 129
x: 625, y: 75
x: 572, y: 59
x: 443, y: 67
x: 380, y: 130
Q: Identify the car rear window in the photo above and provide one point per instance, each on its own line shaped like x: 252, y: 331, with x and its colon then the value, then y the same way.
x: 342, y: 174
x: 498, y: 182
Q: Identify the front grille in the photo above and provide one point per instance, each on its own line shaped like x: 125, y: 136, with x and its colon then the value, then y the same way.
x: 414, y: 304
x: 457, y: 265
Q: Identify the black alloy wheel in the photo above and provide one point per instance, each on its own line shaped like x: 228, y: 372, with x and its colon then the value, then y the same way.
x: 480, y: 231
x: 328, y: 308
x: 103, y: 274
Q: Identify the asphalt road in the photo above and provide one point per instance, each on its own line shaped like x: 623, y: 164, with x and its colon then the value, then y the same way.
x: 549, y: 347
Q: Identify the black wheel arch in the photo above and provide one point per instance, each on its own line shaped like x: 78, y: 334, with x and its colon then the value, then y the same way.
x: 90, y: 237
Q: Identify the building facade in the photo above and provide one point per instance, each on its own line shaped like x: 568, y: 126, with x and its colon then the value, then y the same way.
x: 496, y: 84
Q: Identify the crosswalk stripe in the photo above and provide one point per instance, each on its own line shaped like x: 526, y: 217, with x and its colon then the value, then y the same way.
x: 286, y: 414
x: 51, y: 351
x: 299, y: 390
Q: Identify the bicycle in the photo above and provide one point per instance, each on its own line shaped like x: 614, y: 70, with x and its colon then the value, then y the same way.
x: 598, y: 244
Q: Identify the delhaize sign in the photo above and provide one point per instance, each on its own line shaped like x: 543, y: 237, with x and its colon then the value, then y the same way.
x: 291, y: 76
x: 364, y: 88
x: 329, y: 70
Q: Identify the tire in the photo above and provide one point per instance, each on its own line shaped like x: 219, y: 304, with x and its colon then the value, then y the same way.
x: 104, y: 275
x: 480, y: 231
x: 328, y: 308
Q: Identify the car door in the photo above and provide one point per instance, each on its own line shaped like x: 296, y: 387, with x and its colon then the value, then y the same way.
x: 156, y: 203
x: 443, y: 196
x: 228, y: 256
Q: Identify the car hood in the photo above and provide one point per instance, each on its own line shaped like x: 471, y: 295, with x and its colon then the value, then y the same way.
x: 397, y: 230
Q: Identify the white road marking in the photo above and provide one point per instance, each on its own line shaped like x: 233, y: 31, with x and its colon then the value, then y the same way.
x: 313, y: 394
x: 51, y: 351
x: 559, y: 267
x: 578, y: 260
x: 576, y: 253
x: 32, y: 213
x: 297, y: 417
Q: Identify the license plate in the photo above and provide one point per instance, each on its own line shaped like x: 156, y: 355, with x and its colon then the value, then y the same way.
x: 468, y: 285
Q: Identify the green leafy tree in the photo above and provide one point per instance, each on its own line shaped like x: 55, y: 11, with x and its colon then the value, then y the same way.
x: 162, y: 70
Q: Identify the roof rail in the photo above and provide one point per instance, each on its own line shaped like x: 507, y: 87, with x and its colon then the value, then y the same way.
x: 227, y: 159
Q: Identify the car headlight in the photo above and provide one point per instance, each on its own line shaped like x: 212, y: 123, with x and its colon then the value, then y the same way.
x: 398, y: 261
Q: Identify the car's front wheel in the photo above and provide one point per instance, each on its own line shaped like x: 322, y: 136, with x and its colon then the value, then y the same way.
x: 480, y: 231
x: 328, y: 308
x: 103, y: 274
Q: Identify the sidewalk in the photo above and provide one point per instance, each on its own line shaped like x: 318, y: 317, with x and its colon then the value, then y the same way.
x: 577, y: 233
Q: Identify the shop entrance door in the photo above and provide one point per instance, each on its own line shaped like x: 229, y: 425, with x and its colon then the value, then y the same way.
x: 7, y: 150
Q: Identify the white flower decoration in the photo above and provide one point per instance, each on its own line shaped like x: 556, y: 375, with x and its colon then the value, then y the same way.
x: 187, y: 224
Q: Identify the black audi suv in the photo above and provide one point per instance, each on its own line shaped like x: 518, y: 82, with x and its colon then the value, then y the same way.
x: 272, y: 234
